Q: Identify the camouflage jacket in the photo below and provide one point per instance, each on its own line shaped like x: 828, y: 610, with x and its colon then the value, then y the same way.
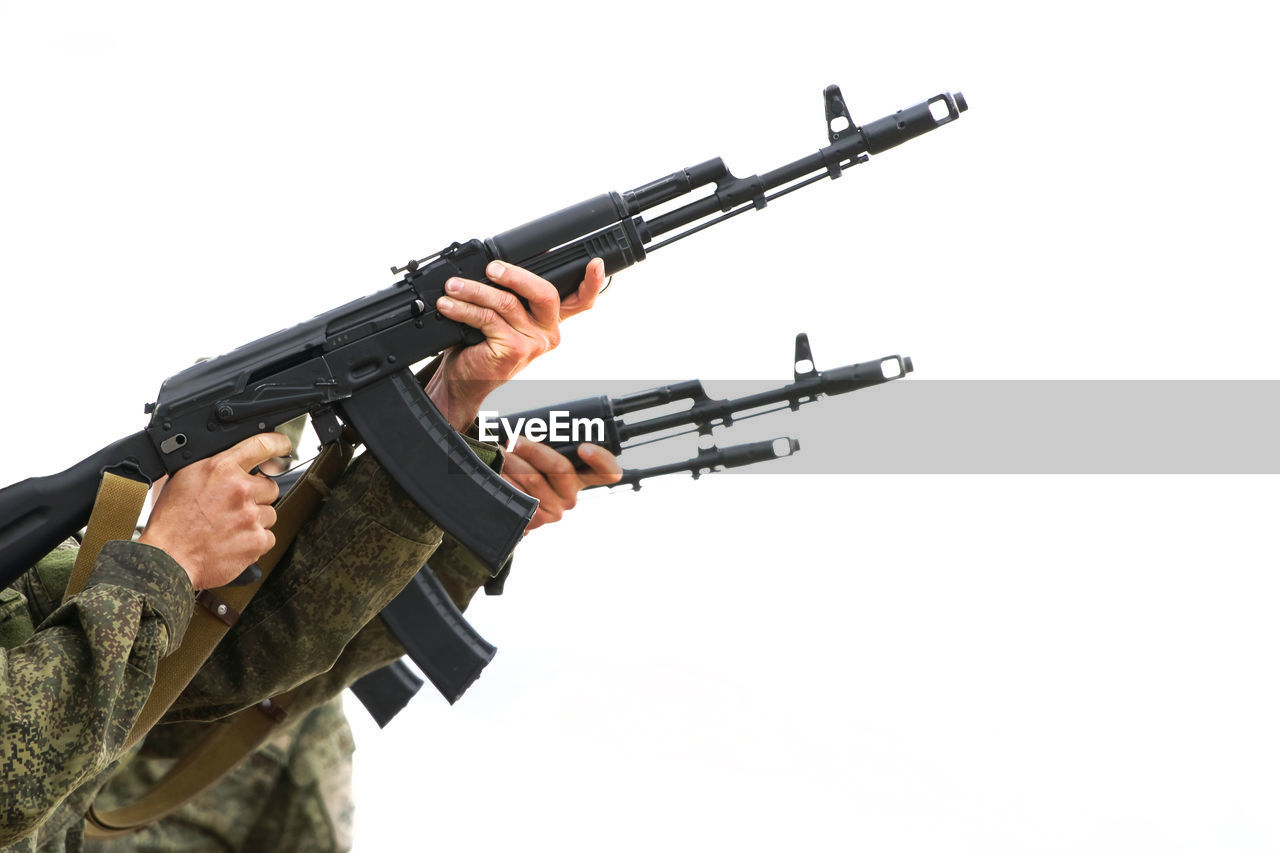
x: 293, y: 795
x: 76, y: 675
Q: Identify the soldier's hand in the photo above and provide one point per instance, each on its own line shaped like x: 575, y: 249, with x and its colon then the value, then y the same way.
x: 214, y: 517
x: 537, y: 470
x: 514, y: 335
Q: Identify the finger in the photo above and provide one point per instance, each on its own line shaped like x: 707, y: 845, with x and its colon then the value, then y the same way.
x: 540, y: 518
x: 527, y: 479
x: 542, y: 296
x: 515, y: 470
x: 547, y: 516
x: 256, y: 449
x: 585, y: 296
x: 558, y: 470
x: 264, y: 490
x: 603, y: 464
x: 463, y: 306
x: 267, y: 517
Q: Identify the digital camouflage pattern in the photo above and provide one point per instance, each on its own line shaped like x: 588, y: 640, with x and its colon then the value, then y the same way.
x: 293, y: 794
x: 74, y: 676
x: 82, y: 684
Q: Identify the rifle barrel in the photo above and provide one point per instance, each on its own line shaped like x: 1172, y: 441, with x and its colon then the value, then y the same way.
x: 806, y: 389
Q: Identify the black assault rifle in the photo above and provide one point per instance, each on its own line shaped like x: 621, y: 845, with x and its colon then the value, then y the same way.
x: 435, y: 634
x: 354, y: 363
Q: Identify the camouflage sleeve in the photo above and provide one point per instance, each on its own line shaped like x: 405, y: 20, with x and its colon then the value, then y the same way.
x: 70, y: 692
x: 349, y: 560
x: 460, y: 573
x: 372, y: 648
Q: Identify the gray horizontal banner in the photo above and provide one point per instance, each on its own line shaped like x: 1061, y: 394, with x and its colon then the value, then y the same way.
x: 914, y: 426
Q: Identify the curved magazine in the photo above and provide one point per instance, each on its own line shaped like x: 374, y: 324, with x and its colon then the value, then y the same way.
x: 432, y: 463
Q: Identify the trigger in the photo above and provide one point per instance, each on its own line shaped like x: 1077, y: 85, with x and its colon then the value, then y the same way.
x: 327, y: 426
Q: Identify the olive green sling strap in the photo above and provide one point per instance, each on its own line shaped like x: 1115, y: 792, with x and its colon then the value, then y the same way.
x: 114, y: 516
x: 216, y: 755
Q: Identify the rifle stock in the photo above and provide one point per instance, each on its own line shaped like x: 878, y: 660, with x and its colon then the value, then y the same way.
x: 40, y: 512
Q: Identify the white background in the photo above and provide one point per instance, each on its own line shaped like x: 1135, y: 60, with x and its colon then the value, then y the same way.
x: 749, y: 662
